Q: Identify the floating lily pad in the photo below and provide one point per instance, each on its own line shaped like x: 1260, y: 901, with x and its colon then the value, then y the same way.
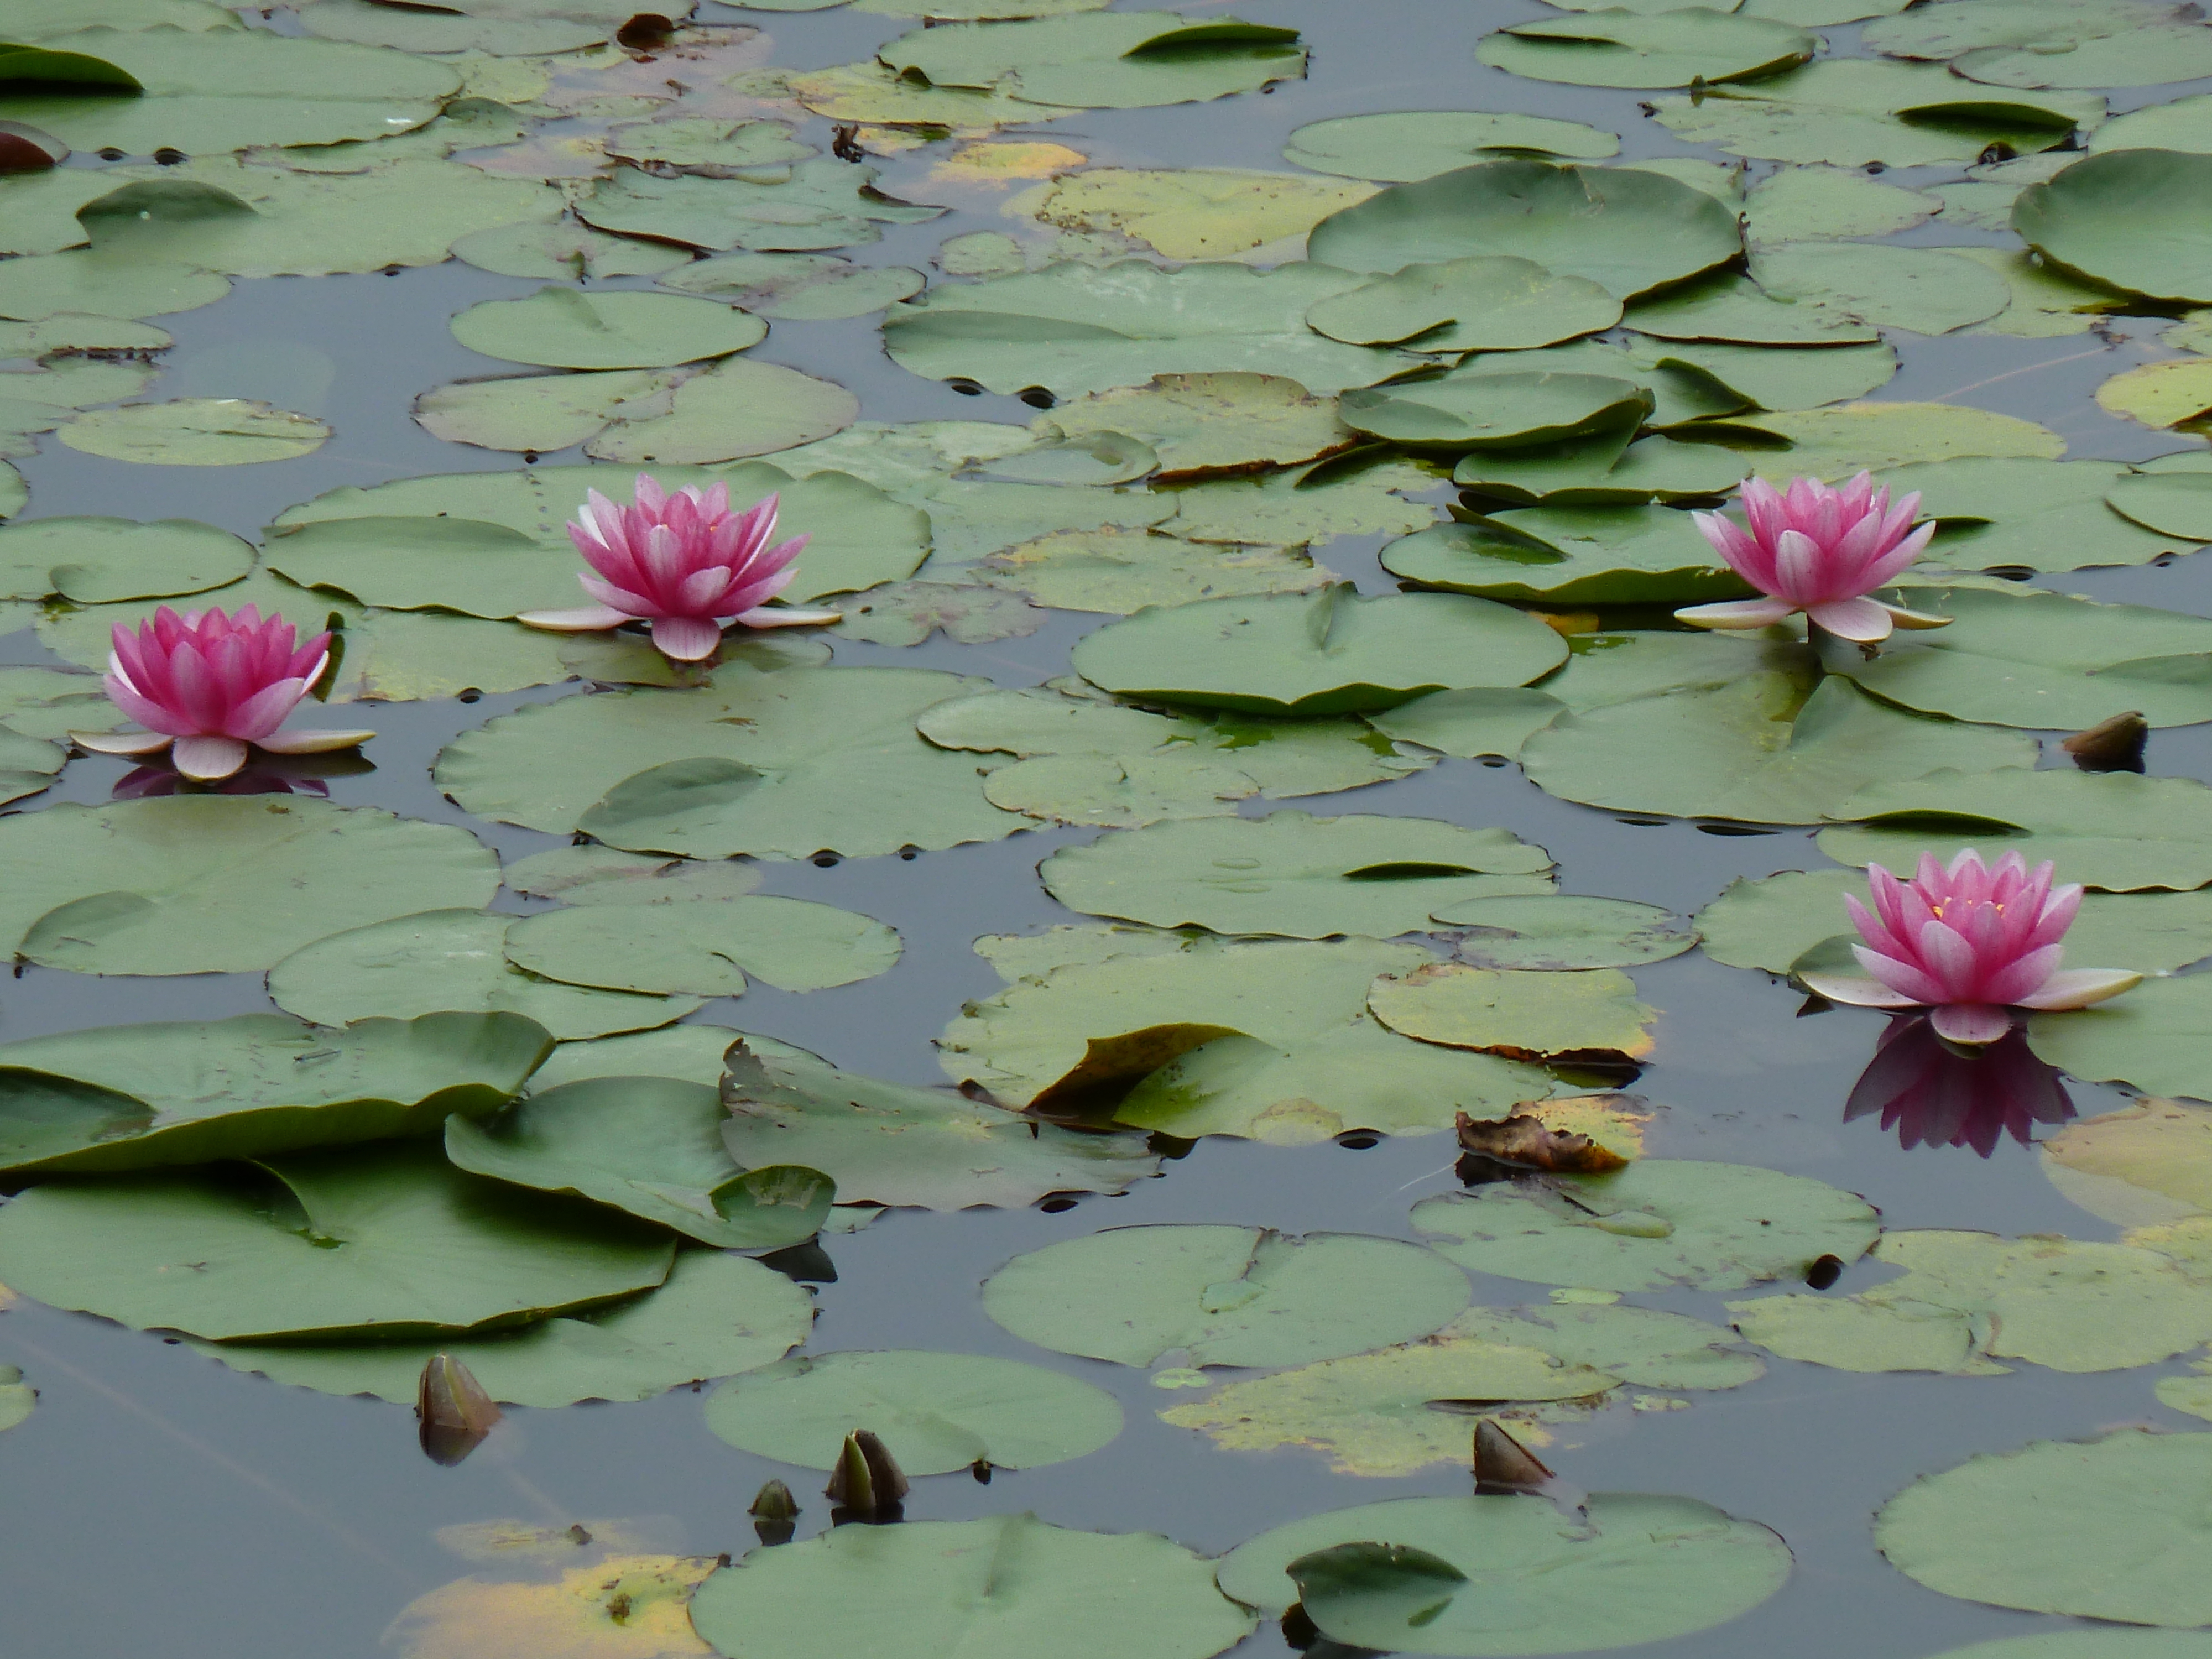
x: 504, y: 29
x: 195, y: 432
x: 907, y: 613
x: 17, y: 1399
x: 1572, y: 555
x: 1118, y: 571
x: 934, y: 1413
x: 1102, y: 60
x: 1200, y: 424
x: 390, y: 1241
x: 1291, y: 873
x: 1483, y: 304
x: 1075, y: 328
x: 2103, y: 1529
x: 652, y: 1146
x: 565, y: 329
x: 822, y: 203
x: 1188, y: 213
x: 1601, y: 470
x: 1333, y: 653
x: 132, y: 1096
x: 564, y: 250
x: 2134, y: 219
x: 890, y: 1143
x: 706, y: 947
x: 716, y: 1315
x: 692, y: 1053
x: 873, y: 92
x: 1645, y: 50
x: 1846, y: 111
x: 84, y: 280
x: 1222, y: 1296
x: 708, y: 145
x: 1357, y: 494
x: 97, y: 560
x: 220, y: 884
x: 52, y: 702
x: 616, y: 1598
x: 1521, y: 1014
x: 1926, y: 290
x: 2177, y: 123
x: 1562, y: 932
x: 205, y: 92
x: 1397, y: 148
x: 780, y: 764
x: 1642, y: 1569
x: 1827, y: 203
x: 1833, y: 444
x: 2173, y: 506
x: 2053, y: 43
x: 414, y: 963
x: 601, y: 875
x: 1625, y: 230
x: 1655, y: 1224
x: 977, y: 1587
x: 1759, y: 750
x: 800, y: 288
x: 1967, y: 1299
x: 2154, y: 1038
x: 2176, y: 392
x: 2035, y: 514
x: 2150, y: 1162
x: 1493, y: 411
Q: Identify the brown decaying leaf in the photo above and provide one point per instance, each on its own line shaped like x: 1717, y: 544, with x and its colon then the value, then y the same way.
x: 1503, y: 1464
x: 1525, y: 1140
x: 1113, y: 1066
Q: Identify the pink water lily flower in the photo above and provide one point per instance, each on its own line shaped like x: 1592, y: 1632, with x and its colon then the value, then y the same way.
x: 685, y: 563
x: 1819, y: 549
x: 1971, y: 943
x: 209, y: 685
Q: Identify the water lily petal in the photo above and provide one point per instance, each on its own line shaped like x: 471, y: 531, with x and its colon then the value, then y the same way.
x: 1859, y: 993
x: 208, y: 760
x: 121, y: 743
x: 1736, y: 613
x: 685, y: 639
x: 587, y: 619
x: 778, y: 616
x: 1919, y: 620
x: 2078, y: 988
x: 1862, y: 620
x: 312, y: 740
x: 1971, y: 1023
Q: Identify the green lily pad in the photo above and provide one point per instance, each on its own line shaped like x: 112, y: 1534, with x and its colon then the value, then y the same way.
x: 2091, y: 1643
x: 388, y: 1241
x: 1096, y: 459
x: 652, y: 1146
x: 1493, y: 411
x: 195, y: 432
x: 1734, y: 309
x: 1625, y: 230
x: 2102, y: 1528
x: 1775, y: 923
x: 1075, y: 328
x: 565, y: 329
x: 52, y: 702
x: 1118, y: 571
x: 133, y: 1097
x: 1103, y: 60
x: 2174, y: 393
x: 470, y: 565
x: 2145, y: 1164
x: 1642, y: 1346
x: 781, y: 764
x: 1524, y: 1015
x: 1203, y: 424
x: 797, y: 287
x: 1846, y: 111
x: 1655, y: 1225
x: 894, y: 1144
x: 1967, y: 1299
x: 935, y: 1412
x: 821, y: 203
x: 602, y: 875
x: 1633, y: 49
x: 1601, y: 470
x: 706, y: 947
x: 907, y: 613
x: 17, y: 1399
x: 1292, y: 874
x: 1333, y: 653
x: 2036, y: 514
x: 1570, y: 554
x: 1562, y: 932
x: 1925, y: 289
x: 1483, y: 304
x: 715, y: 1315
x: 87, y: 280
x: 1642, y: 1569
x: 1222, y: 1296
x: 2116, y: 830
x: 976, y: 1588
x: 2053, y: 43
x: 506, y: 30
x: 709, y: 145
x: 1759, y: 750
x: 221, y: 214
x: 99, y: 561
x: 2176, y: 506
x: 2154, y: 1037
x: 1357, y: 494
x: 1397, y: 148
x: 2178, y: 124
x: 220, y: 884
x: 563, y: 250
x: 1186, y: 213
x: 689, y: 1051
x: 205, y: 92
x: 1826, y: 203
x: 1834, y: 444
x: 2030, y: 657
x: 413, y: 963
x: 2133, y: 219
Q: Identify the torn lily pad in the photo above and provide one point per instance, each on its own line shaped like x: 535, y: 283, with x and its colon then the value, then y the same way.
x: 935, y: 1412
x: 1293, y: 873
x: 894, y: 1144
x: 1657, y: 1224
x: 653, y: 1146
x: 1333, y: 653
x: 565, y: 251
x: 1222, y: 1296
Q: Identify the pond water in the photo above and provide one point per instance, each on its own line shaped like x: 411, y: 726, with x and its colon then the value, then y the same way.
x: 158, y: 1500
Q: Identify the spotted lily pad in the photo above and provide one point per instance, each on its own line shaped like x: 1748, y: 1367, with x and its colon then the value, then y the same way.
x: 1654, y: 1225
x: 1222, y: 1296
x: 934, y: 1413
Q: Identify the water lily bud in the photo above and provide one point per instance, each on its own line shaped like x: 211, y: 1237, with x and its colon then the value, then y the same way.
x: 1503, y: 1464
x: 868, y: 1480
x: 2113, y: 745
x: 774, y: 1511
x: 455, y: 1413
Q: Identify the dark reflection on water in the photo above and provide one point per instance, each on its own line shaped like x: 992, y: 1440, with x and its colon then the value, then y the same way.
x: 158, y: 1502
x: 1933, y: 1094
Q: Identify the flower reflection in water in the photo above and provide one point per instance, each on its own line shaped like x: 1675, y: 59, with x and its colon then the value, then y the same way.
x: 1936, y: 1095
x: 263, y: 774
